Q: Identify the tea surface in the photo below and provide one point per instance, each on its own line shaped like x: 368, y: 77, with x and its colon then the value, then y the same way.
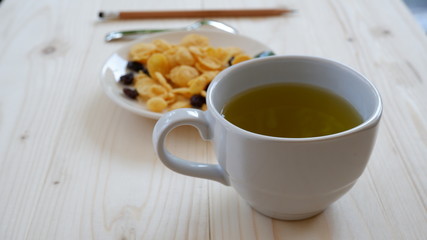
x: 291, y: 110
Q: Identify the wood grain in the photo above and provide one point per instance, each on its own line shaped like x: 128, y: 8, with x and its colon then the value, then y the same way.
x: 73, y: 165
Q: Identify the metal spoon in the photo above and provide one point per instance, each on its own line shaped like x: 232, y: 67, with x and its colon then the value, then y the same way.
x: 111, y: 36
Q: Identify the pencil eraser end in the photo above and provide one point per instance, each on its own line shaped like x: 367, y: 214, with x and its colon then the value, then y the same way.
x: 108, y: 15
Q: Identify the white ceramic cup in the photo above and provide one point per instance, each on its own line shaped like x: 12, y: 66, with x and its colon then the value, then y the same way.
x: 284, y: 178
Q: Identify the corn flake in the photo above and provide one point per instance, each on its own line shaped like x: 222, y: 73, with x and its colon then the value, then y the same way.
x: 240, y: 58
x: 210, y: 63
x: 183, y: 92
x: 195, y: 40
x: 162, y: 80
x: 141, y: 52
x: 156, y: 104
x: 161, y: 45
x: 181, y: 75
x: 158, y: 62
x: 183, y: 56
x: 180, y: 104
x: 197, y: 85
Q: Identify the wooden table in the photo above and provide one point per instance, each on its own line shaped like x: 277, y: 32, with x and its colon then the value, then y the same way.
x: 74, y: 165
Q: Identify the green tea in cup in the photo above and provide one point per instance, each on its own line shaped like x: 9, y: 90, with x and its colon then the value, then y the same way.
x: 291, y: 110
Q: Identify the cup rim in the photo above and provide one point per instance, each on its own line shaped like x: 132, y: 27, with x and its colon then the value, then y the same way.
x: 368, y: 123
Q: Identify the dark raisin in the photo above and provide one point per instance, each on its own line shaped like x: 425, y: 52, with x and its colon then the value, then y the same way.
x: 131, y: 93
x: 135, y: 66
x: 127, y: 79
x: 207, y: 86
x: 144, y: 70
x: 230, y: 61
x: 197, y: 101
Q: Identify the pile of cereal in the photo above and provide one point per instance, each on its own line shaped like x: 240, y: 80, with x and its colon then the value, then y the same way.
x: 169, y: 76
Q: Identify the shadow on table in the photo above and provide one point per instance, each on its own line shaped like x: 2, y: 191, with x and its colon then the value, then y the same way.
x: 317, y: 227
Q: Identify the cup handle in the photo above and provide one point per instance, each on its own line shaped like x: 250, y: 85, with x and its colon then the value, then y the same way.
x: 197, y: 119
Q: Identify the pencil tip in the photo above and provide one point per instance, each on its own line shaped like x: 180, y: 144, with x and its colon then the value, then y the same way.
x: 101, y: 14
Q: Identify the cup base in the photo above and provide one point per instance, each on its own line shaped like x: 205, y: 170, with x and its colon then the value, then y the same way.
x: 289, y: 217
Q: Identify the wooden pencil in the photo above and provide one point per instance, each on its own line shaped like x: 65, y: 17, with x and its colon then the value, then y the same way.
x: 194, y: 13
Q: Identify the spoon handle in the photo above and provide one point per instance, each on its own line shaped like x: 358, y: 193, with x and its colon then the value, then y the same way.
x: 201, y: 23
x: 111, y: 36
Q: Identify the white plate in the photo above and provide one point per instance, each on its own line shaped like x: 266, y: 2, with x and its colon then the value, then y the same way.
x: 115, y: 66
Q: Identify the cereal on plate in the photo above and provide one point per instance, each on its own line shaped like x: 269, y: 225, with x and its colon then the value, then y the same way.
x: 171, y: 76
